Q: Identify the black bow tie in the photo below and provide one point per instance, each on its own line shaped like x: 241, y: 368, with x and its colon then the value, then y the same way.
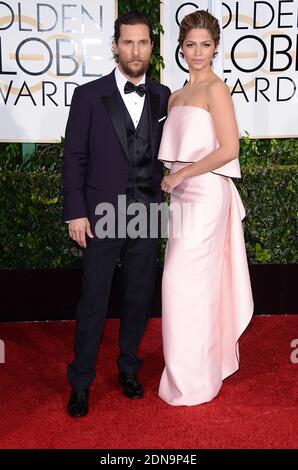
x: 139, y: 89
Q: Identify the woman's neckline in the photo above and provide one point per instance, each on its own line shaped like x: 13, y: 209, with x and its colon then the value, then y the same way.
x: 189, y: 106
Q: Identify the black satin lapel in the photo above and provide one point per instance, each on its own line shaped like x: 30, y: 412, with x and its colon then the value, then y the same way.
x: 154, y: 104
x: 113, y: 106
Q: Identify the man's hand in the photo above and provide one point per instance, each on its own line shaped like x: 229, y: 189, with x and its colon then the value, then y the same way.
x: 78, y: 228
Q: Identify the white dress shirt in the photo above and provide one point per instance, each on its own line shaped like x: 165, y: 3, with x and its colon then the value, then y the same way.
x: 133, y: 102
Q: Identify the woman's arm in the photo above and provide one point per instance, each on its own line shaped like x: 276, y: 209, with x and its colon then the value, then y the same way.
x: 223, y: 115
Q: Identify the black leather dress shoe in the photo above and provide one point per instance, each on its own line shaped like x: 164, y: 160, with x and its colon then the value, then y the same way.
x: 78, y: 404
x: 131, y: 386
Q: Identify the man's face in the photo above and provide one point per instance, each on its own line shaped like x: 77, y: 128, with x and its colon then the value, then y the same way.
x: 134, y: 49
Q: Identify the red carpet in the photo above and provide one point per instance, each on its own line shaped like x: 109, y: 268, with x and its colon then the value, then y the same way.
x: 256, y: 408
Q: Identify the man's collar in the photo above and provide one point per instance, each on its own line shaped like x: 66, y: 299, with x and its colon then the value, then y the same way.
x: 122, y: 79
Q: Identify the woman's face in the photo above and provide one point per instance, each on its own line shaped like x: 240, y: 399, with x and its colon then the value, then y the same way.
x: 198, y: 49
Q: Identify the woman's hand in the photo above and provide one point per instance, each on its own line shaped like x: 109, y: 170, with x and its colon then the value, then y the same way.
x: 170, y: 182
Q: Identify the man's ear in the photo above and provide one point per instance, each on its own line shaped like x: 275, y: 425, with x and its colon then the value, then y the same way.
x: 114, y: 46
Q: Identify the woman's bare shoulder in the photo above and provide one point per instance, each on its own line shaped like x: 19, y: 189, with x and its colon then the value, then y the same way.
x: 218, y: 95
x: 173, y: 98
x: 217, y: 86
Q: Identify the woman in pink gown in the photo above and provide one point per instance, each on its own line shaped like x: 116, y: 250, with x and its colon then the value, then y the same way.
x: 206, y: 292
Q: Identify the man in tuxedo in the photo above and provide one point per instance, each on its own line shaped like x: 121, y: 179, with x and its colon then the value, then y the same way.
x: 111, y: 144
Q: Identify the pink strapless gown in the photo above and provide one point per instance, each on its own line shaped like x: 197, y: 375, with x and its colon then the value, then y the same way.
x: 206, y: 292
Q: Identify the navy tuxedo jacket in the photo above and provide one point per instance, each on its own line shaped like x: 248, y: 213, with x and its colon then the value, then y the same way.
x: 95, y: 167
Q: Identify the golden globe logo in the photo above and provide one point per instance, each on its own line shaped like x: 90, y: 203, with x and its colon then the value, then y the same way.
x: 53, y: 43
x: 268, y: 54
x: 253, y: 58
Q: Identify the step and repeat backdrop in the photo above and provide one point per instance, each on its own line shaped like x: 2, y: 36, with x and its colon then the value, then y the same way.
x: 48, y: 48
x: 257, y: 59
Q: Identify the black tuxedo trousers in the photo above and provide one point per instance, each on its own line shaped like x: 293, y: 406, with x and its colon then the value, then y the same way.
x: 138, y: 272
